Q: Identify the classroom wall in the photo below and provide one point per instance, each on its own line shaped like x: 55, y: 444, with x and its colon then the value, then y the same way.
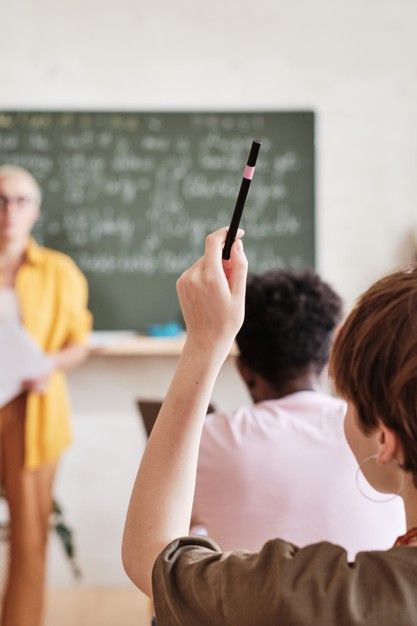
x: 97, y: 473
x: 354, y: 62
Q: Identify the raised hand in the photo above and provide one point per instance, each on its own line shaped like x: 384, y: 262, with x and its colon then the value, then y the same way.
x: 212, y: 296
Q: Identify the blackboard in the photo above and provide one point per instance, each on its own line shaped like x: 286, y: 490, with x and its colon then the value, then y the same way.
x: 130, y: 196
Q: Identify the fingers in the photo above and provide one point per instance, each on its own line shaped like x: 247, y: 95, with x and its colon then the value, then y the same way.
x: 34, y: 386
x: 211, y: 267
x: 237, y: 273
x: 187, y: 274
x: 214, y: 247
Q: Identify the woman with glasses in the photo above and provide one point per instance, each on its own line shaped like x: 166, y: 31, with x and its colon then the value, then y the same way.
x: 44, y: 292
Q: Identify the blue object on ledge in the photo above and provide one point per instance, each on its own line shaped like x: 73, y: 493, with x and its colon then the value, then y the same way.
x: 170, y: 329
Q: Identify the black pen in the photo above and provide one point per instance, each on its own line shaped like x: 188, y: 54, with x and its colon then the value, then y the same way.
x: 248, y: 173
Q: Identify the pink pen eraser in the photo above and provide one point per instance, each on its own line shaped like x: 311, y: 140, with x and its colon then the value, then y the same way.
x: 248, y: 172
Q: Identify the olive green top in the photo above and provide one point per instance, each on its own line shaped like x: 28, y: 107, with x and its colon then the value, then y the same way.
x: 195, y: 584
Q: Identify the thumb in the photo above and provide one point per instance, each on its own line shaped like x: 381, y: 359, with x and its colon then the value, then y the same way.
x: 238, y: 270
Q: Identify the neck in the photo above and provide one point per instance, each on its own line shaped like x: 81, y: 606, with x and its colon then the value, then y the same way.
x: 306, y: 382
x: 11, y: 252
x: 263, y: 390
x: 410, y: 503
x: 11, y: 258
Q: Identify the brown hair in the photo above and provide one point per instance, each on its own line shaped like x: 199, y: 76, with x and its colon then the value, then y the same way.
x: 374, y: 359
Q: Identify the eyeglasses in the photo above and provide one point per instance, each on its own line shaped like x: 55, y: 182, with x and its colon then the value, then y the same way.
x: 21, y: 202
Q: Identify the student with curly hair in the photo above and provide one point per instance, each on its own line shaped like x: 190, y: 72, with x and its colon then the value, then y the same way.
x: 263, y: 470
x: 374, y: 364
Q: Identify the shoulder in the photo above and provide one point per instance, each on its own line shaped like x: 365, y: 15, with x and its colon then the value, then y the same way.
x: 222, y: 426
x: 316, y: 400
x: 59, y: 262
x: 319, y: 409
x: 277, y: 554
x: 332, y: 404
x: 286, y: 584
x: 54, y: 257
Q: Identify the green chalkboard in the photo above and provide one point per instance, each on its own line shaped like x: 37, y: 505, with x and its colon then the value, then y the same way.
x: 130, y: 196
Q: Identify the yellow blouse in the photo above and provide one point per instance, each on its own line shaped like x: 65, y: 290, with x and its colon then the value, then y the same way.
x: 52, y: 295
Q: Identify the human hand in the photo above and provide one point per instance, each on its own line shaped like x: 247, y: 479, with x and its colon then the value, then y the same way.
x: 36, y: 385
x: 212, y: 295
x: 39, y: 384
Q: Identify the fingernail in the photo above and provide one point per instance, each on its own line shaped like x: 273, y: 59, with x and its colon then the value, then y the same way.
x: 241, y: 232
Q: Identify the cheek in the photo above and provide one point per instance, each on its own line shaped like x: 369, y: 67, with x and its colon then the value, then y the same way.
x: 354, y: 436
x: 347, y: 427
x: 26, y: 221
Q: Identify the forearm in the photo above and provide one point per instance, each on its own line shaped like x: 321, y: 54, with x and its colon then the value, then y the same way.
x: 162, y: 498
x: 160, y: 508
x: 70, y: 356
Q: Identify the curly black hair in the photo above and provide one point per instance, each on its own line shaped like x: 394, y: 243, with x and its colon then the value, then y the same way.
x: 289, y: 320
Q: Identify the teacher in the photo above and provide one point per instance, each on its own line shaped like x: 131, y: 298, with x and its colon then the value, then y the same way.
x: 43, y: 290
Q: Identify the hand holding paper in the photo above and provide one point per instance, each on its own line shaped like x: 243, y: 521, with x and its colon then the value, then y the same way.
x: 21, y: 361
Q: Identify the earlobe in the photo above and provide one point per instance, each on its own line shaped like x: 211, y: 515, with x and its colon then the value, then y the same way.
x: 35, y: 216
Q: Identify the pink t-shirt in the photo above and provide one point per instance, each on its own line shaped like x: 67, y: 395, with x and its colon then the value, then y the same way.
x: 282, y: 468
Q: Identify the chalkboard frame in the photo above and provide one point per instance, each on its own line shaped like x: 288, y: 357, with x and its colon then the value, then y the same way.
x: 142, y: 325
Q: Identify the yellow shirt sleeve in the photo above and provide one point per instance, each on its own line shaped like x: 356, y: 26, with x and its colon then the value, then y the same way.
x: 53, y: 296
x: 79, y: 321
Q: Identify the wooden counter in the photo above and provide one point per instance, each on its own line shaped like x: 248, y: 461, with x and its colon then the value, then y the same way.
x: 125, y: 344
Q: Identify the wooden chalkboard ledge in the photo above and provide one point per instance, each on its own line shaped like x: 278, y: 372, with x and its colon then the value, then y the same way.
x: 125, y: 344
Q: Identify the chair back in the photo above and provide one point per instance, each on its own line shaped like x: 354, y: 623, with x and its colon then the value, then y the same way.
x: 149, y: 410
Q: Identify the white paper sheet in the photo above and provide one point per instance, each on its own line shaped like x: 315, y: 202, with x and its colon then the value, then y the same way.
x: 21, y: 359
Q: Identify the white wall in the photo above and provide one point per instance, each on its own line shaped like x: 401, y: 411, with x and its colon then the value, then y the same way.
x: 97, y: 472
x: 354, y: 62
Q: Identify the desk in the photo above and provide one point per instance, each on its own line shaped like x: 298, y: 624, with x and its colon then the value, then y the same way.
x: 126, y: 344
x: 139, y: 345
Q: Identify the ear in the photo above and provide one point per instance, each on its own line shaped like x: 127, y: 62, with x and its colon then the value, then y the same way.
x: 389, y: 446
x: 35, y: 215
x: 246, y: 372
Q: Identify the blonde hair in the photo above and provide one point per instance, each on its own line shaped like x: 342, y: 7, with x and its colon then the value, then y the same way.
x: 15, y: 170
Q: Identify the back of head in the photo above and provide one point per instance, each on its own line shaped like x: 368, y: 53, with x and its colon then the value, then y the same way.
x: 289, y: 321
x: 374, y: 359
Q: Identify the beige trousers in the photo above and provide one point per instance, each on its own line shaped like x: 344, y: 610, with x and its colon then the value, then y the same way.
x: 29, y: 497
